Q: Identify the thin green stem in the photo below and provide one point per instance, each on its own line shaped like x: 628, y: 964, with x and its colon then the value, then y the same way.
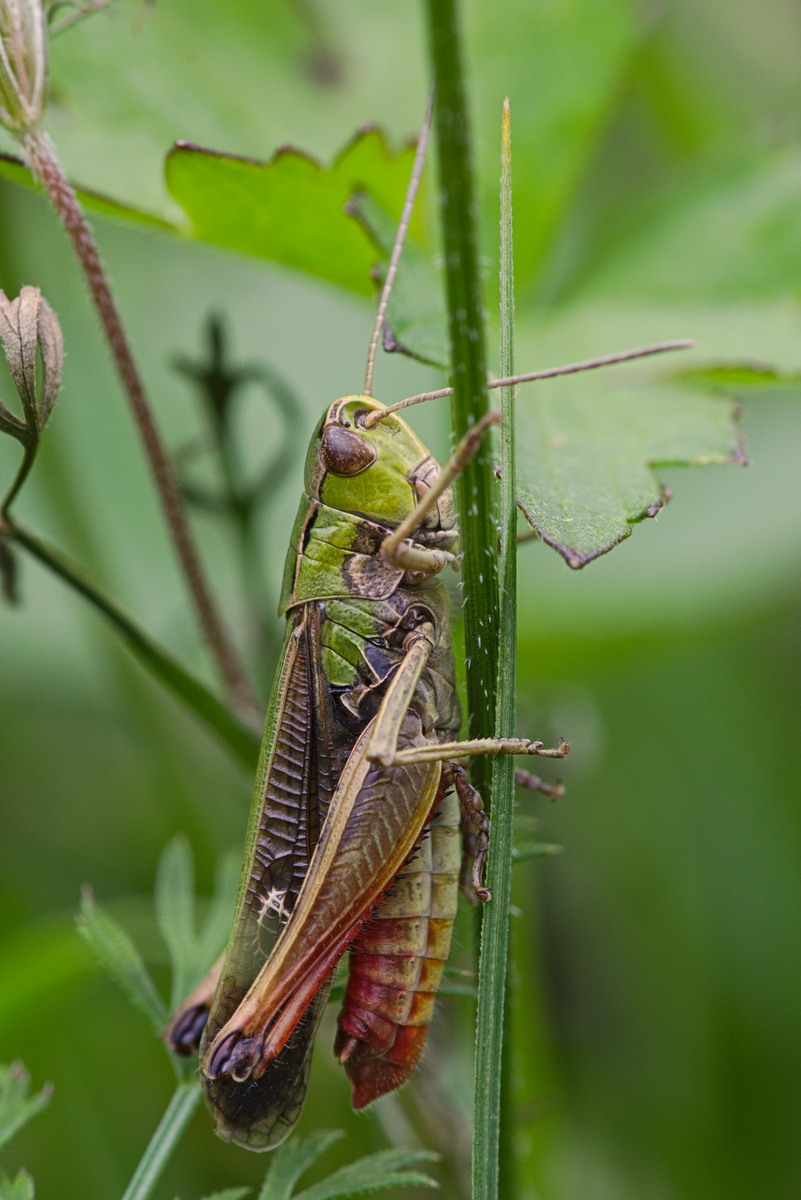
x: 28, y: 459
x: 240, y: 739
x: 489, y: 1124
x: 176, y: 1116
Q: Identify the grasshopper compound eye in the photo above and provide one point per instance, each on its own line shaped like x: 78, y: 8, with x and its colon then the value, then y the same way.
x: 344, y: 452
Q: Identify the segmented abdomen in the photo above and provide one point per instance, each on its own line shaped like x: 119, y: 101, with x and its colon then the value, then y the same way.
x: 396, y: 965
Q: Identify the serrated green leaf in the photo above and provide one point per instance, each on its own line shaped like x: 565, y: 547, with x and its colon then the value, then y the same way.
x: 290, y: 209
x: 18, y: 1188
x: 292, y: 1159
x: 373, y: 1173
x: 117, y: 954
x: 16, y: 1106
x: 587, y: 451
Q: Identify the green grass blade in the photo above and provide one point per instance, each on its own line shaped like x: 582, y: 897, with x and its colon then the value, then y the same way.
x: 493, y: 1150
x: 476, y: 494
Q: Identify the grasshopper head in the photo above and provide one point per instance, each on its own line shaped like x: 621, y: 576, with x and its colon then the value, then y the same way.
x: 378, y: 472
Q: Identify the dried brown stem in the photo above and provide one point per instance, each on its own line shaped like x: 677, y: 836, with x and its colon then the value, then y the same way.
x: 45, y: 166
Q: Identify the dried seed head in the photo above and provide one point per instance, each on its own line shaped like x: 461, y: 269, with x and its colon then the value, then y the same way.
x: 28, y: 325
x: 23, y: 64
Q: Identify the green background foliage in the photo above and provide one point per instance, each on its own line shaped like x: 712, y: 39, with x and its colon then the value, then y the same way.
x: 654, y: 1035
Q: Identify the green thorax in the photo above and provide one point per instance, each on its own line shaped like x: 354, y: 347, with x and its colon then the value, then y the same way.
x: 333, y: 555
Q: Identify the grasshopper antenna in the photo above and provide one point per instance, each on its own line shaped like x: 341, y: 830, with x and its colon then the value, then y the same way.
x: 589, y: 364
x: 397, y: 249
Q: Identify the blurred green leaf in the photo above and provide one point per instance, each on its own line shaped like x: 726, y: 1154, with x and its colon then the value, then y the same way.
x: 534, y: 850
x: 18, y: 1188
x: 174, y: 899
x: 557, y: 139
x: 11, y: 168
x: 241, y: 740
x: 587, y: 449
x: 16, y: 1106
x: 191, y: 952
x: 415, y: 321
x: 117, y: 954
x: 217, y: 923
x: 733, y: 235
x: 229, y: 1194
x: 291, y: 209
x: 43, y: 960
x: 738, y: 376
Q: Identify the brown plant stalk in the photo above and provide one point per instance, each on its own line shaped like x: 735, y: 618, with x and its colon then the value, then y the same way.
x: 45, y: 166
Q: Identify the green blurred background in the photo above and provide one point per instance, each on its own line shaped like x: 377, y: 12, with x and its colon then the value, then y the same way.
x: 656, y: 1041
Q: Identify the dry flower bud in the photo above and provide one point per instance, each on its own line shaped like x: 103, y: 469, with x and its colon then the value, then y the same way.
x: 23, y: 64
x: 27, y: 325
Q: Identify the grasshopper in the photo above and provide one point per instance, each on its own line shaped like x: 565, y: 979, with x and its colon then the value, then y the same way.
x: 356, y: 766
x: 353, y: 839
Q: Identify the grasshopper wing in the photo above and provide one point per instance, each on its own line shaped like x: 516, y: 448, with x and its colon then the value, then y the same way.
x: 303, y: 752
x: 375, y: 821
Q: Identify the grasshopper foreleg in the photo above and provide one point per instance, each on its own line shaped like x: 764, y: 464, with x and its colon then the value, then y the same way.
x: 395, y: 549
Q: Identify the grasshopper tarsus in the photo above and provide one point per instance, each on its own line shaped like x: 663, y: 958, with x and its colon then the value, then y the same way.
x: 185, y: 1031
x: 235, y: 1056
x: 560, y: 751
